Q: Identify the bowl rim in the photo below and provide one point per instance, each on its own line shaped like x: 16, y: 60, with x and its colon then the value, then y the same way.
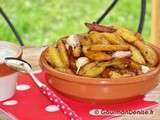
x: 13, y: 46
x: 87, y: 80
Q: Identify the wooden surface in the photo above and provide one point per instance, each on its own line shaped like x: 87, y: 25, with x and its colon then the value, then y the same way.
x: 155, y: 24
x: 32, y: 56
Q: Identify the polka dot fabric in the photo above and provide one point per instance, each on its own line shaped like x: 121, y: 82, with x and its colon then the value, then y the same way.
x: 30, y: 104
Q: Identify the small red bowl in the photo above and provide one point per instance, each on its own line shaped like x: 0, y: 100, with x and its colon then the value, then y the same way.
x: 101, y: 90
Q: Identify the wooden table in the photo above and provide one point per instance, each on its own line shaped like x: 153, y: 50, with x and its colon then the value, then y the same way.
x: 31, y: 54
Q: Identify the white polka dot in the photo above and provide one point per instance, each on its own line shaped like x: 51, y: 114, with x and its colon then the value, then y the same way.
x: 61, y: 102
x: 10, y: 102
x: 68, y: 108
x: 44, y: 92
x: 22, y: 87
x: 51, y: 99
x: 54, y: 95
x: 49, y: 93
x: 52, y: 108
x: 70, y: 114
x: 55, y: 100
x: 63, y: 107
x: 65, y: 112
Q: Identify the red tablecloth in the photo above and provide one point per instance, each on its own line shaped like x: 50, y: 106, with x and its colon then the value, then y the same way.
x: 30, y: 104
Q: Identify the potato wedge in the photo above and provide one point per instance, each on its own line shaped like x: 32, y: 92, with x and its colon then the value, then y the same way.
x: 63, y: 53
x: 139, y: 36
x: 96, y: 56
x: 97, y: 38
x: 119, y: 63
x: 136, y: 55
x: 105, y: 73
x: 76, y: 51
x: 92, y: 69
x: 72, y: 60
x: 54, y: 57
x: 126, y: 35
x: 100, y: 28
x: 135, y: 66
x: 115, y: 75
x: 64, y: 70
x: 101, y: 47
x: 87, y: 67
x: 85, y: 41
x: 113, y: 38
x: 148, y: 53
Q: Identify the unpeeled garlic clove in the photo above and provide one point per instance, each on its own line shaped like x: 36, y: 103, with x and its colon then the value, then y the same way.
x: 121, y: 54
x: 81, y: 62
x: 73, y: 41
x: 145, y: 69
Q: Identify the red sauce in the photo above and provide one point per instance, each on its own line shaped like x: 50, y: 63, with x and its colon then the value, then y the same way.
x: 5, y: 70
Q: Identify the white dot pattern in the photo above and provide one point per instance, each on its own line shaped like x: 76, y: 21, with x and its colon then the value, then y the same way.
x: 58, y: 102
x: 23, y: 87
x: 10, y: 102
x: 52, y: 108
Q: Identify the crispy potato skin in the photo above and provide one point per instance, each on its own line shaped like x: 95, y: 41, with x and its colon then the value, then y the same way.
x: 136, y: 55
x: 63, y: 53
x: 127, y: 35
x: 100, y: 28
x: 105, y: 73
x: 93, y: 69
x: 54, y: 56
x: 98, y: 38
x: 101, y: 47
x: 76, y: 51
x: 96, y: 56
x: 114, y: 38
x: 148, y: 53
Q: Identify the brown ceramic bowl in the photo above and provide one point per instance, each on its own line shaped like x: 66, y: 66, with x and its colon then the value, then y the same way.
x: 4, y: 45
x: 101, y: 90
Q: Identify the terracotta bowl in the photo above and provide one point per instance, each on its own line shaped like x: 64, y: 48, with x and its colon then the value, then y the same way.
x: 101, y: 90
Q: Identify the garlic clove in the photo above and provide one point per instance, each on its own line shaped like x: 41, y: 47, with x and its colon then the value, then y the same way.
x: 81, y: 62
x: 145, y: 69
x: 73, y: 41
x: 121, y: 54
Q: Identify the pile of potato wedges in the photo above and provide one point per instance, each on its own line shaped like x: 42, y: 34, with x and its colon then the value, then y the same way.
x: 103, y: 52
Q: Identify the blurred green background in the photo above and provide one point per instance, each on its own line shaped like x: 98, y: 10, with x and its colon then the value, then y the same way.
x: 41, y: 22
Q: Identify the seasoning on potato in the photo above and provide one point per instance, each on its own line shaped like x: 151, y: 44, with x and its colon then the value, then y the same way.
x: 105, y: 51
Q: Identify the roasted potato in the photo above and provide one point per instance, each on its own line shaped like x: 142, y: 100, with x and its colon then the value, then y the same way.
x: 100, y: 28
x: 64, y: 70
x: 102, y: 47
x: 85, y: 41
x: 76, y: 51
x: 126, y: 34
x: 148, y: 53
x: 119, y: 63
x: 54, y: 56
x: 136, y: 55
x: 93, y: 69
x: 114, y: 38
x: 115, y: 75
x: 105, y: 52
x: 96, y: 56
x: 63, y: 53
x: 98, y: 38
x: 105, y: 73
